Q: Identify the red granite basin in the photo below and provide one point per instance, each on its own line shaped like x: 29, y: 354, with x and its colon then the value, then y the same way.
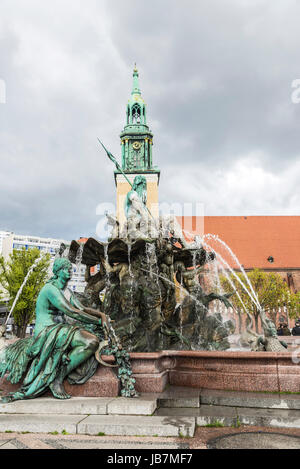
x: 236, y: 371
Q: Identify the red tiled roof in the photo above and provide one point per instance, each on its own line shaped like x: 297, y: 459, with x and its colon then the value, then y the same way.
x: 82, y: 240
x: 254, y: 239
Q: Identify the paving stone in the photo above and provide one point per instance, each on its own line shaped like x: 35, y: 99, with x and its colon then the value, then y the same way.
x: 5, y: 442
x: 179, y: 396
x: 102, y: 443
x: 39, y: 423
x: 217, y: 415
x: 290, y: 401
x: 137, y: 425
x: 281, y: 418
x: 131, y: 417
x: 255, y: 440
x: 241, y: 399
x: 8, y: 445
x: 135, y: 406
x: 235, y: 416
x: 178, y: 411
x: 49, y: 405
x: 250, y: 416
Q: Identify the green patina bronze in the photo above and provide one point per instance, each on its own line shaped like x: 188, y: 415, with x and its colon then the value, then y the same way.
x: 67, y: 336
x: 136, y: 137
x: 137, y: 195
x: 135, y: 205
x: 140, y: 280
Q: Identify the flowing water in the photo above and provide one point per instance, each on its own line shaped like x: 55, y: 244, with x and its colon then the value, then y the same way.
x: 223, y: 262
x: 234, y: 257
x: 78, y: 259
x: 107, y: 276
x: 221, y: 267
x: 131, y: 292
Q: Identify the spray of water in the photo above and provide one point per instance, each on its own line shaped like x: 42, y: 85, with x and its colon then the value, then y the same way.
x: 172, y: 283
x: 222, y: 260
x: 234, y: 257
x: 78, y: 259
x: 251, y: 293
x: 131, y: 292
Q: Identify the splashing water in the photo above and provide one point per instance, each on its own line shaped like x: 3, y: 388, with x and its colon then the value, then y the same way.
x: 64, y: 253
x: 131, y: 293
x: 222, y: 265
x: 225, y: 273
x: 225, y: 263
x: 153, y: 265
x: 78, y: 259
x: 182, y: 289
x: 221, y: 260
x: 234, y: 257
x: 107, y: 282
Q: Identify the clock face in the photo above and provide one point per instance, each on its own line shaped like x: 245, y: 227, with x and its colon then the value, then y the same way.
x: 136, y: 145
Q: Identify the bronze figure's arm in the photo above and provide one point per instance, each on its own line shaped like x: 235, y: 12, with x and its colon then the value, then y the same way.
x: 58, y: 300
x: 90, y: 311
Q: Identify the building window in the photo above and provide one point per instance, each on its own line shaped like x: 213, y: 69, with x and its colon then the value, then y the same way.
x: 136, y: 114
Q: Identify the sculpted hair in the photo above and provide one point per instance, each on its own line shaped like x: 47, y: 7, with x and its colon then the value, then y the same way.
x: 61, y: 263
x: 137, y: 181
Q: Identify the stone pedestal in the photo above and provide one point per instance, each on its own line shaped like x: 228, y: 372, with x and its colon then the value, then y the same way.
x: 236, y: 371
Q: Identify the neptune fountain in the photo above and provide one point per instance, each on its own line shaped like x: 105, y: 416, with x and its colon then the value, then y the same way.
x: 130, y: 305
x: 145, y: 297
x: 139, y: 272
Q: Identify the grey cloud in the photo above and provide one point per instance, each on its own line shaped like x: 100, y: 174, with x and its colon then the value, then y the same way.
x: 217, y: 80
x: 246, y: 61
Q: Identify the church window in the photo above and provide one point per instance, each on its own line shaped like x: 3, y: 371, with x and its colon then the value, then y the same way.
x: 136, y: 114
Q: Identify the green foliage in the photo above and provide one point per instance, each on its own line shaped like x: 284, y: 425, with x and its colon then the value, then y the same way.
x: 293, y: 305
x: 237, y: 423
x: 271, y: 290
x: 12, y: 275
x: 214, y: 424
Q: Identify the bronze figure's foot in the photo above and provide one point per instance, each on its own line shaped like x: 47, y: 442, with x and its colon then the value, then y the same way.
x: 58, y: 390
x: 7, y: 399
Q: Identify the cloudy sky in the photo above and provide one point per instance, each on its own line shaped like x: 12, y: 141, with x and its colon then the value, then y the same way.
x: 216, y: 76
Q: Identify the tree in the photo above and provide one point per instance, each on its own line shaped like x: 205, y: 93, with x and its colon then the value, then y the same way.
x: 271, y: 290
x: 12, y: 275
x: 293, y: 305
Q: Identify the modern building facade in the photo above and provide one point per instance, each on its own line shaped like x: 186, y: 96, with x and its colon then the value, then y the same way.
x: 11, y: 241
x: 3, y: 235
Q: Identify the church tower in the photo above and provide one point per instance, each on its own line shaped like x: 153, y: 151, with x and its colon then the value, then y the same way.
x: 136, y: 145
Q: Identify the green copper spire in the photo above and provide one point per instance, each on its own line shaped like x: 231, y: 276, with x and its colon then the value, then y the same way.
x: 136, y: 109
x: 135, y: 87
x: 137, y: 138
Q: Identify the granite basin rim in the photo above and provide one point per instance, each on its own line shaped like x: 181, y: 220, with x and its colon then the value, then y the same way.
x: 207, y: 354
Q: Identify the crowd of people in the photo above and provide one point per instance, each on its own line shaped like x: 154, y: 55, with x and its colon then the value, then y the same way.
x: 285, y: 330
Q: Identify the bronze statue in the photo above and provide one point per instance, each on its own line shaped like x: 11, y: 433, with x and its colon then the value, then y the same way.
x: 67, y: 336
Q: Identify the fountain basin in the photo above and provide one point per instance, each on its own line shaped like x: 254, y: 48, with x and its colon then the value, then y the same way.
x: 236, y: 371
